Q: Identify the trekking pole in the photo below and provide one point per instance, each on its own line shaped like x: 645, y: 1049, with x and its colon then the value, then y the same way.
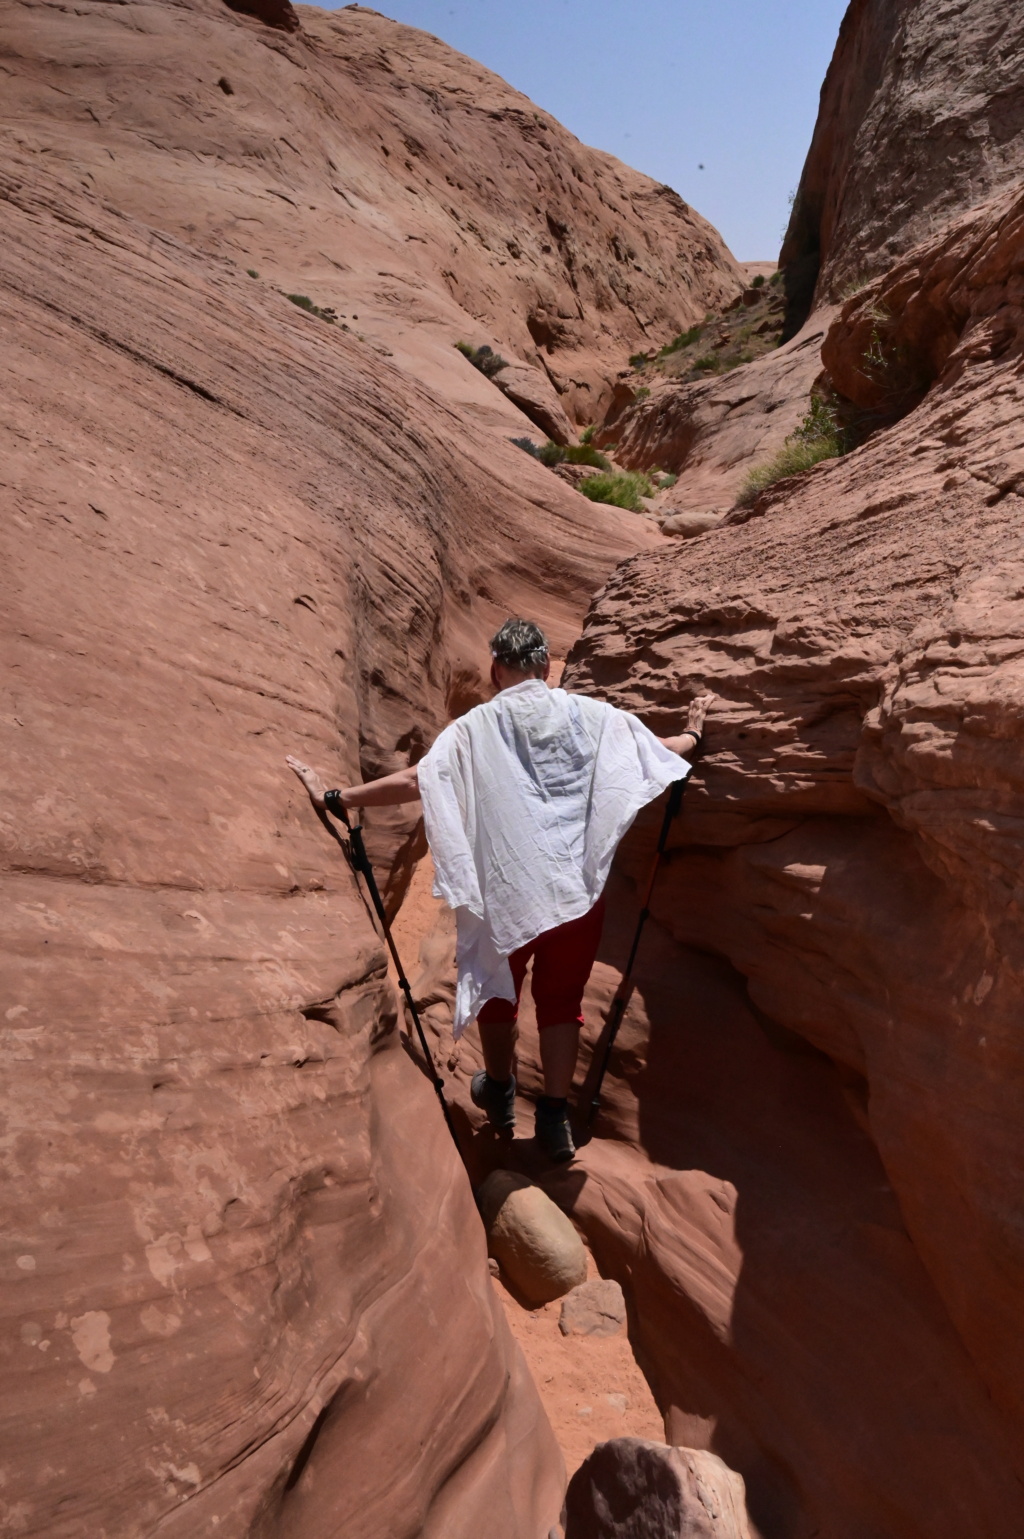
x: 618, y: 1005
x: 356, y: 854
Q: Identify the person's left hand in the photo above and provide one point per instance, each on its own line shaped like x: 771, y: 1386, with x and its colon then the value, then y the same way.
x: 698, y: 710
x: 310, y: 779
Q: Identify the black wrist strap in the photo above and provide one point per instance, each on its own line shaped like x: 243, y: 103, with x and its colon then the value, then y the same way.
x: 334, y: 803
x: 698, y: 736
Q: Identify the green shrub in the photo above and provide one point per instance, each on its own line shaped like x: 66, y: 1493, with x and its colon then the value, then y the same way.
x: 901, y: 377
x: 758, y: 281
x: 483, y: 358
x: 587, y: 436
x: 706, y: 361
x: 622, y: 488
x: 527, y: 444
x: 820, y: 436
x: 552, y: 454
x: 305, y: 303
x: 853, y: 286
x: 585, y: 454
x: 252, y: 272
x: 642, y: 393
x: 637, y: 360
x: 684, y: 339
x: 669, y: 478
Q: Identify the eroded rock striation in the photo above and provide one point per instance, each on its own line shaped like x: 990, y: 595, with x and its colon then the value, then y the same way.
x: 710, y: 433
x: 921, y: 119
x: 850, y: 851
x: 921, y: 122
x: 368, y: 166
x: 244, y: 1282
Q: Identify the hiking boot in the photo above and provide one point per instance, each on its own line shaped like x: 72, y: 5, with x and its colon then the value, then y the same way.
x: 551, y: 1126
x: 496, y: 1099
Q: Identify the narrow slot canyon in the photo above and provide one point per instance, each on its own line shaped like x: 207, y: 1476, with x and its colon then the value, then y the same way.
x: 324, y: 351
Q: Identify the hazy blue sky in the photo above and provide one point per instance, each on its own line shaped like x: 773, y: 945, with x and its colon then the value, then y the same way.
x: 668, y: 86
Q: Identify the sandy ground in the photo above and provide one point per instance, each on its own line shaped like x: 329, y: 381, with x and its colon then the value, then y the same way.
x: 591, y: 1387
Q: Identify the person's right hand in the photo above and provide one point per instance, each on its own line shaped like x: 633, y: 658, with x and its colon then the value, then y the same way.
x: 310, y: 779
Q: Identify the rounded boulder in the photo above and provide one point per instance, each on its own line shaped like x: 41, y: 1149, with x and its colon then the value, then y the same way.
x: 530, y: 1237
x: 690, y: 524
x: 630, y: 1488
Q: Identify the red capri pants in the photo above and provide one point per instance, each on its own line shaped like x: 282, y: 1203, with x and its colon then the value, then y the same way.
x: 562, y: 960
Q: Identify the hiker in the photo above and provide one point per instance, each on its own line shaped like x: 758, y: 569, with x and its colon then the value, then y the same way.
x: 525, y: 799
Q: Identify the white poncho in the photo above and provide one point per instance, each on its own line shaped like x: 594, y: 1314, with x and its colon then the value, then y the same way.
x: 525, y: 800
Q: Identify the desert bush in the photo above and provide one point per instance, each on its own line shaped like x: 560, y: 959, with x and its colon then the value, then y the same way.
x: 820, y: 436
x: 642, y: 393
x: 585, y: 454
x: 305, y: 303
x: 483, y: 358
x: 899, y: 376
x: 665, y: 480
x: 637, y: 360
x: 526, y: 444
x: 252, y: 272
x: 552, y: 454
x: 853, y: 286
x: 706, y: 361
x: 757, y: 281
x: 622, y: 488
x: 587, y: 436
x: 684, y: 339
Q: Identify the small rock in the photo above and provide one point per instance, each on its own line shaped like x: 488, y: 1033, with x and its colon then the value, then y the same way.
x: 536, y: 1246
x: 690, y: 524
x: 632, y: 1489
x: 493, y: 1267
x: 595, y: 1308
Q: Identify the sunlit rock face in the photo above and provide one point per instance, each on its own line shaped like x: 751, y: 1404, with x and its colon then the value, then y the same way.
x: 851, y: 848
x: 921, y: 119
x: 245, y: 1288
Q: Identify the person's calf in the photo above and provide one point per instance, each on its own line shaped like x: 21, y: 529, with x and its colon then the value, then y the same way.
x: 559, y: 1048
x: 498, y: 1041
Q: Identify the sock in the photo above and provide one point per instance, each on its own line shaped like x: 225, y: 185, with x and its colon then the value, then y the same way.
x: 499, y: 1084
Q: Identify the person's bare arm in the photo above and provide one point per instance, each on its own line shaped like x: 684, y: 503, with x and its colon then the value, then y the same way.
x: 389, y: 791
x: 685, y: 742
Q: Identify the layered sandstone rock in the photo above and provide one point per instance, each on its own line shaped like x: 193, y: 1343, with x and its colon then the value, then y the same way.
x: 231, y: 1207
x: 371, y: 168
x: 241, y: 1255
x: 921, y: 118
x: 710, y: 433
x: 851, y: 847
